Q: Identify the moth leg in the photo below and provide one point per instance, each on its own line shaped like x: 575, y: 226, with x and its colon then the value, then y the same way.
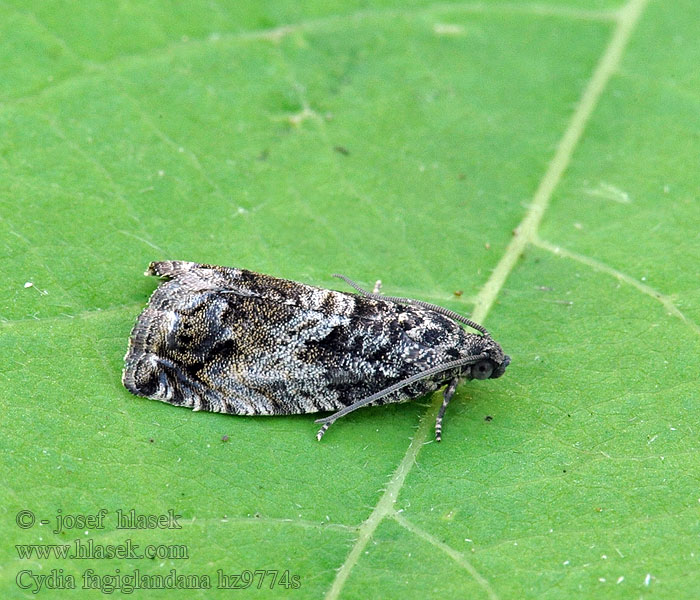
x: 449, y: 392
x: 377, y: 286
x: 323, y: 430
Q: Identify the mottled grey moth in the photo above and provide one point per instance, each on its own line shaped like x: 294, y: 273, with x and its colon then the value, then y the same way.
x: 234, y: 341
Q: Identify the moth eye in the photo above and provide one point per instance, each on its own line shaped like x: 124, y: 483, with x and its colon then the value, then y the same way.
x: 482, y: 369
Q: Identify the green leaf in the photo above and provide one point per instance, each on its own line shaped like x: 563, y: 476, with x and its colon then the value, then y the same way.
x: 534, y: 165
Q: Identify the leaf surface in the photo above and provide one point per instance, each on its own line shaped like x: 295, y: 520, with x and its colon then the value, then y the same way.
x: 534, y: 165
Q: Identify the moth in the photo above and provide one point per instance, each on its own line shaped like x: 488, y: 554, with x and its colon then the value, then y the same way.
x: 233, y: 341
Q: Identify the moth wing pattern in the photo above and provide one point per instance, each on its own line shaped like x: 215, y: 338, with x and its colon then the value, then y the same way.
x: 230, y: 340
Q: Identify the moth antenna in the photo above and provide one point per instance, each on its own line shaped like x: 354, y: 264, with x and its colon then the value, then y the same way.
x: 460, y: 362
x: 434, y: 307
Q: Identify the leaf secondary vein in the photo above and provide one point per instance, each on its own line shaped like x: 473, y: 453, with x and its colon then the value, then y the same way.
x: 454, y: 554
x: 596, y: 265
x: 275, y: 34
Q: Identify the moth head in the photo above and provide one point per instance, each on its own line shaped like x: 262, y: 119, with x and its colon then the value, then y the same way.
x: 494, y: 361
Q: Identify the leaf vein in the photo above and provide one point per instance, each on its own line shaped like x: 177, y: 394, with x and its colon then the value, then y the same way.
x: 276, y: 33
x: 454, y: 554
x: 601, y: 267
